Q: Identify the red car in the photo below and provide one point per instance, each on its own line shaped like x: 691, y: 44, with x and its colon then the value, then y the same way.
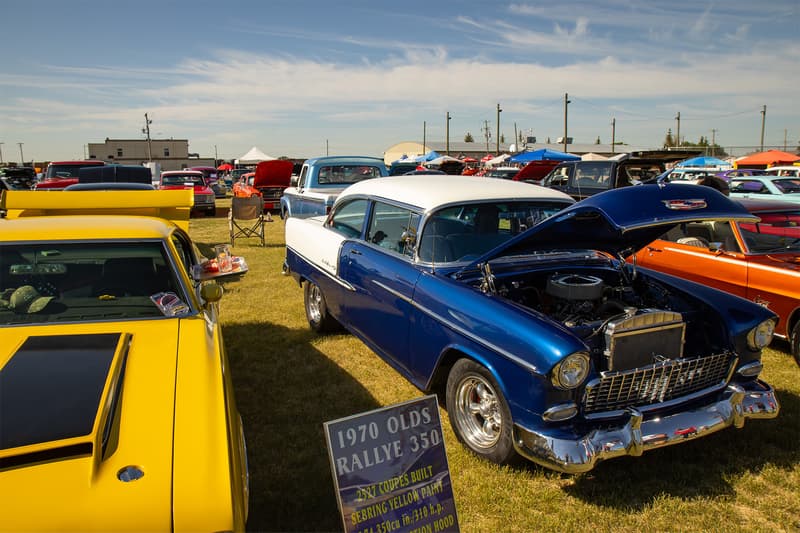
x: 758, y: 261
x: 61, y: 174
x: 271, y: 178
x: 182, y: 179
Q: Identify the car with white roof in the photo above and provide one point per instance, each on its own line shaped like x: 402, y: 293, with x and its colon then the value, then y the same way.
x: 515, y: 304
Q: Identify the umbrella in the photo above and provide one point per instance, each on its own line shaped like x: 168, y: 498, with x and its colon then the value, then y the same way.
x: 487, y: 157
x: 225, y: 166
x: 703, y: 161
x: 545, y: 154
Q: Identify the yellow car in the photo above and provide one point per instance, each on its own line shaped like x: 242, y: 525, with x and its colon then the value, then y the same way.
x: 117, y: 411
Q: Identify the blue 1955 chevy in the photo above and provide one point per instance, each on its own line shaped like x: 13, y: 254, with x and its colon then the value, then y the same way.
x: 517, y: 306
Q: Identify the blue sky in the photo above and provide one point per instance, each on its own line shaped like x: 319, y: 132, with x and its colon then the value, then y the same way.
x: 295, y: 77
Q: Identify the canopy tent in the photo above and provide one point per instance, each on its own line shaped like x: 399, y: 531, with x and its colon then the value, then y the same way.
x: 497, y: 160
x: 770, y: 158
x: 430, y: 156
x: 225, y: 166
x: 253, y: 156
x: 704, y: 161
x: 487, y: 157
x: 591, y: 156
x: 443, y: 159
x: 542, y: 155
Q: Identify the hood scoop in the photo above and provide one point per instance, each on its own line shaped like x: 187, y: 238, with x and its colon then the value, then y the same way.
x: 58, y: 394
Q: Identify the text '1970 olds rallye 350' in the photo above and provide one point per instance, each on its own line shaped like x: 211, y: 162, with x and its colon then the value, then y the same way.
x: 526, y: 317
x: 117, y: 411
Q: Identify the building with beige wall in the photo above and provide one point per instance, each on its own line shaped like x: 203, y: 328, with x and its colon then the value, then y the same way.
x: 171, y: 154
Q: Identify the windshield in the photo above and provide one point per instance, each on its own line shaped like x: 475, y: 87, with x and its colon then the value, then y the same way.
x: 777, y: 232
x: 190, y: 180
x: 84, y: 282
x: 465, y: 232
x: 65, y: 171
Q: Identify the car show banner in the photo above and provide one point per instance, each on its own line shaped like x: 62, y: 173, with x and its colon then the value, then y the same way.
x: 390, y: 469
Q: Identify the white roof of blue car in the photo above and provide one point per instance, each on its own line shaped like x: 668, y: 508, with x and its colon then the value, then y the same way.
x: 429, y: 191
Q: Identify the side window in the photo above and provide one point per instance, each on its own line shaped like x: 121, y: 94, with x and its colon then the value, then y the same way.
x: 393, y: 227
x: 559, y: 177
x: 185, y: 252
x: 301, y: 181
x: 349, y: 218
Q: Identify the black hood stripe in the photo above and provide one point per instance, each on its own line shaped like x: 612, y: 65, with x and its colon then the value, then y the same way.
x: 52, y: 387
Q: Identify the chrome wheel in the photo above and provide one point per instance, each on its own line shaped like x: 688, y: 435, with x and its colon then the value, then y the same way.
x: 477, y: 412
x: 313, y: 304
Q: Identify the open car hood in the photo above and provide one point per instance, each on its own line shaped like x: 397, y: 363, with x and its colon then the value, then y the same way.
x: 621, y: 220
x: 273, y: 172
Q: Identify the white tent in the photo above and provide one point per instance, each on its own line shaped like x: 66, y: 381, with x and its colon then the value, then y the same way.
x: 253, y: 156
x: 591, y: 156
x: 497, y: 160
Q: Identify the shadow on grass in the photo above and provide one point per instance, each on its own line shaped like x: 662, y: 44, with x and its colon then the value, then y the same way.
x: 285, y: 390
x: 701, y: 468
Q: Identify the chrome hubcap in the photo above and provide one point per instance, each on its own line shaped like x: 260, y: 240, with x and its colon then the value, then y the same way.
x: 477, y: 412
x: 314, y: 300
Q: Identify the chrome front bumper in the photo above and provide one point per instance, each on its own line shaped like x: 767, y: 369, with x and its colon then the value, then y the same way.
x: 731, y: 408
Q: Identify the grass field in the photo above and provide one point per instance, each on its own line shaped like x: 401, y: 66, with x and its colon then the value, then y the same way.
x: 289, y: 381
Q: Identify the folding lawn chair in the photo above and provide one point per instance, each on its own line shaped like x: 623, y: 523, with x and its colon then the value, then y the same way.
x: 246, y: 217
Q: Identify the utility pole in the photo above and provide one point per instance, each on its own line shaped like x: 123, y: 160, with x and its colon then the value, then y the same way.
x: 447, y: 132
x: 566, y: 102
x: 613, y: 133
x: 785, y: 133
x: 678, y: 134
x: 1, y: 152
x: 487, y: 134
x: 498, y: 128
x: 21, y: 157
x: 424, y: 135
x: 146, y: 130
x: 763, y: 119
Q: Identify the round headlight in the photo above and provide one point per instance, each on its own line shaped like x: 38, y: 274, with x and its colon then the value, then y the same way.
x: 760, y: 336
x: 571, y: 371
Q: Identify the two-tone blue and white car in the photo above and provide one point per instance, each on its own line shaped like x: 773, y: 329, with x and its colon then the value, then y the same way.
x: 322, y: 179
x: 516, y: 305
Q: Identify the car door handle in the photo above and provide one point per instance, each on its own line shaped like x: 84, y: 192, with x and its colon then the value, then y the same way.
x: 651, y: 249
x: 355, y: 252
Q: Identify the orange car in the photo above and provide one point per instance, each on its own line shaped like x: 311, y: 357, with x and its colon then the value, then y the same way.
x: 244, y: 187
x: 758, y: 261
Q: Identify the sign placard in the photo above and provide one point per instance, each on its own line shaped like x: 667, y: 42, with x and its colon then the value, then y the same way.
x: 390, y: 469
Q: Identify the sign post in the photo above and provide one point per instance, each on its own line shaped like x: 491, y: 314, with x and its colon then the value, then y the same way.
x: 390, y: 469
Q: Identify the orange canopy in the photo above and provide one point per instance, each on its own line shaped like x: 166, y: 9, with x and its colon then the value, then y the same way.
x: 770, y: 158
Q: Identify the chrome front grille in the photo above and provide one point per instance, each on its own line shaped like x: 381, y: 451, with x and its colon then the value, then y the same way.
x: 657, y: 383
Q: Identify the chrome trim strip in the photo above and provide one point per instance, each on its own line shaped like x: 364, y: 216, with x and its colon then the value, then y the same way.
x: 466, y: 333
x: 336, y: 279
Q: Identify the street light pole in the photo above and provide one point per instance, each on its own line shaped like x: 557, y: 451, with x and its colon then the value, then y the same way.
x: 763, y: 117
x: 498, y: 128
x: 21, y: 157
x: 447, y: 132
x: 1, y: 152
x: 566, y: 102
x: 613, y: 133
x: 146, y: 130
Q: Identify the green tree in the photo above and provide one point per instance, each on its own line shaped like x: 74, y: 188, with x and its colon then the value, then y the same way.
x: 669, y: 141
x: 598, y: 140
x: 468, y: 138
